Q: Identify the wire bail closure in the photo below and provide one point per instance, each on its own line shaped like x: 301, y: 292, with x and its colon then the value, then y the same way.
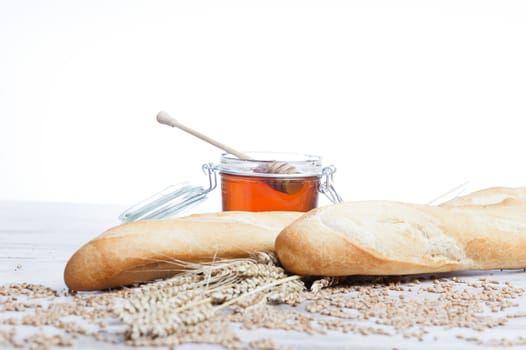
x: 326, y: 185
x: 209, y: 169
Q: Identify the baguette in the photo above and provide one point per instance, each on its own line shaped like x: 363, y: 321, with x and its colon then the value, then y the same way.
x: 495, y: 198
x: 484, y: 230
x: 146, y: 250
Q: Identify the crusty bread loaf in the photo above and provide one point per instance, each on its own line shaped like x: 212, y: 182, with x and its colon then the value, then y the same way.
x: 146, y: 250
x: 493, y: 197
x: 484, y: 230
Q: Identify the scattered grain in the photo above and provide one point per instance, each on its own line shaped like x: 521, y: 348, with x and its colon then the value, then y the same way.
x: 201, y: 305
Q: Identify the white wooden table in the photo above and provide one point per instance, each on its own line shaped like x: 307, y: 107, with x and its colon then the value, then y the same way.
x: 37, y: 239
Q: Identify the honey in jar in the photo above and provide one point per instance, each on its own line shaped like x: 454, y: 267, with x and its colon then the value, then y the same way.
x: 270, y: 182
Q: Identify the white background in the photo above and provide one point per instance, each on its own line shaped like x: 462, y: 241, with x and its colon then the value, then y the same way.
x: 407, y: 98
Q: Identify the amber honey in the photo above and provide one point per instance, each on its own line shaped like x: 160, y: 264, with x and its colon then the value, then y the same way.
x: 270, y: 182
x: 257, y: 193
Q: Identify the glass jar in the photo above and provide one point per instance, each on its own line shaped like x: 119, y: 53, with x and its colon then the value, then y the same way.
x: 269, y: 181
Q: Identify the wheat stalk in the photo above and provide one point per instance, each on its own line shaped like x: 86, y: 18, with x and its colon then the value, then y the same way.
x: 202, y: 291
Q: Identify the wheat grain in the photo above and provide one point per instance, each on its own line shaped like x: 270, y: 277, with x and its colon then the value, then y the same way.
x: 325, y: 282
x: 184, y: 309
x: 202, y: 291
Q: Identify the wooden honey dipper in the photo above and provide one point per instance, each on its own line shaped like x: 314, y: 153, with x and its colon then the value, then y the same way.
x: 274, y: 167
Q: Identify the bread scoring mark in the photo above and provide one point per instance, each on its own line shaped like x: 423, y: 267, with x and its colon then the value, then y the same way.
x: 444, y: 250
x: 396, y: 231
x: 437, y: 246
x: 495, y: 199
x: 510, y: 225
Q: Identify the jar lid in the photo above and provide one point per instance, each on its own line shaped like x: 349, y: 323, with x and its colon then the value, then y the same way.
x: 272, y: 164
x: 171, y: 200
x: 166, y: 203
